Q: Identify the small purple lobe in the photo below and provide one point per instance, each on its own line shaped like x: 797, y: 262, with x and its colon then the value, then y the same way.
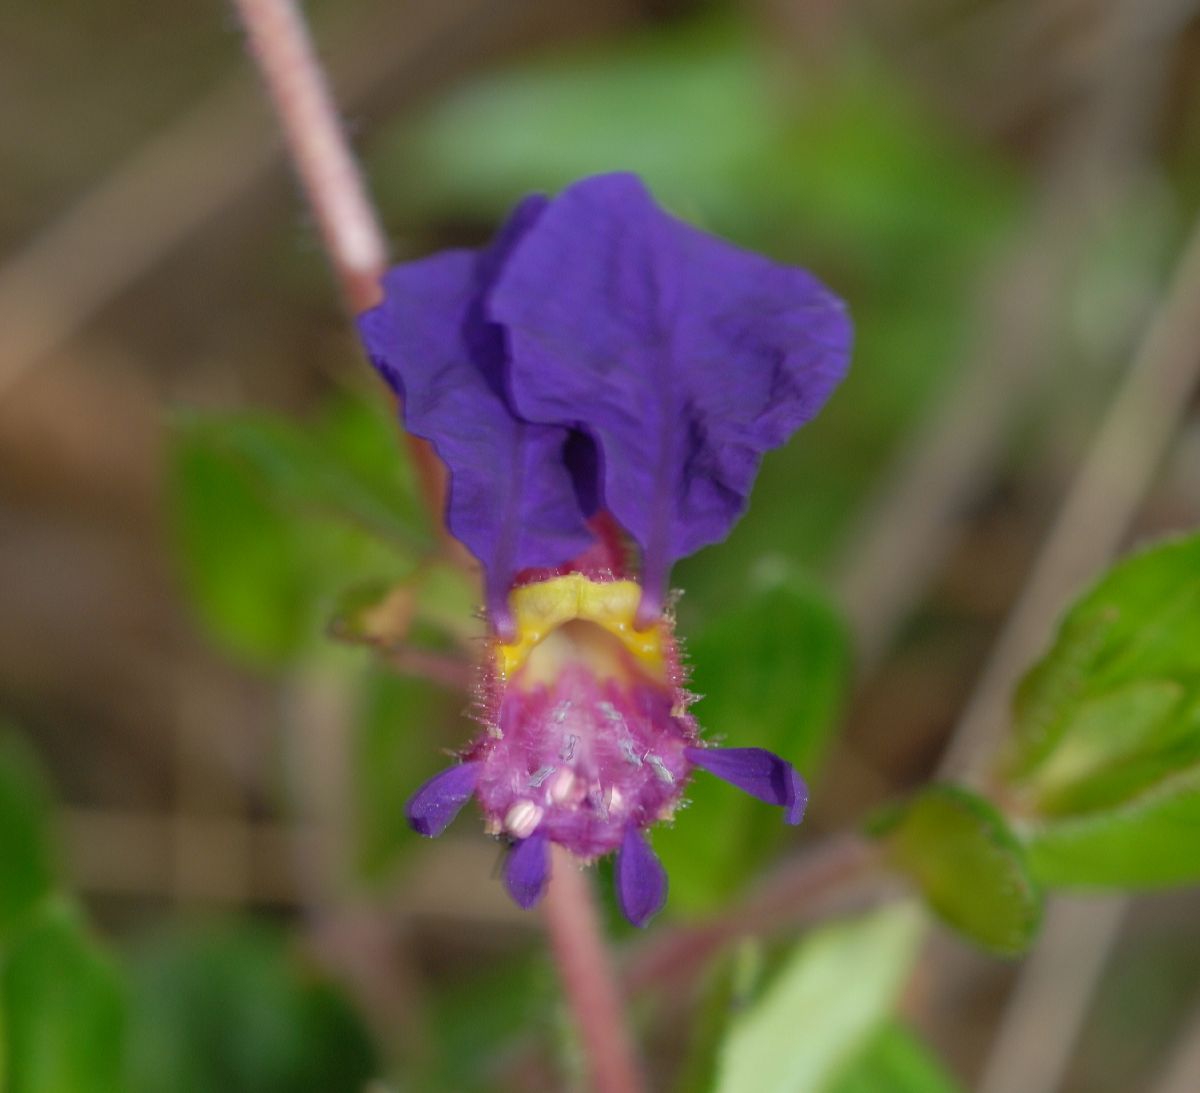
x: 684, y: 357
x: 431, y: 809
x: 759, y: 772
x: 527, y: 869
x: 641, y: 881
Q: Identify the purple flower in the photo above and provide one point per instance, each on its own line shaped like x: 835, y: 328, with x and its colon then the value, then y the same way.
x: 601, y: 372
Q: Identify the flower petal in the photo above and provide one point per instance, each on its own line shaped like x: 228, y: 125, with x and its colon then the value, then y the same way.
x: 431, y: 809
x: 641, y: 881
x: 512, y: 499
x: 759, y: 772
x: 527, y: 869
x: 684, y: 357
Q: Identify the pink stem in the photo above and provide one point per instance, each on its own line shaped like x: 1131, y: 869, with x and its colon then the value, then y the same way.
x: 354, y: 241
x: 588, y: 978
x: 282, y: 48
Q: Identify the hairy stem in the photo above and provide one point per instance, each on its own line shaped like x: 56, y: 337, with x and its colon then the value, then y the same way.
x: 350, y: 232
x: 588, y: 978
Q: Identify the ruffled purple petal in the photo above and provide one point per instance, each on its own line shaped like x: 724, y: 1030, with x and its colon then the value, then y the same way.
x: 641, y: 881
x: 527, y: 869
x: 431, y: 809
x: 512, y: 499
x: 759, y: 772
x: 683, y: 356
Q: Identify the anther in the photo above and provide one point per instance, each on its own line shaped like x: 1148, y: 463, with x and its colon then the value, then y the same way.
x: 562, y: 786
x: 522, y: 819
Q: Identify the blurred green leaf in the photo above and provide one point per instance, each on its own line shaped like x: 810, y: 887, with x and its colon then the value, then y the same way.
x: 894, y: 1061
x: 395, y: 749
x: 1104, y: 764
x: 1121, y: 680
x: 64, y: 1009
x: 688, y: 111
x: 232, y: 1009
x: 272, y: 517
x: 26, y: 850
x: 480, y: 1015
x: 824, y: 1005
x: 969, y: 866
x: 1147, y: 842
x: 731, y: 982
x: 773, y: 673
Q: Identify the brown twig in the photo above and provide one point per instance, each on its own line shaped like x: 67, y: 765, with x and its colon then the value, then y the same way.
x: 166, y: 190
x: 587, y: 977
x: 906, y: 533
x: 1181, y: 1072
x: 1049, y: 1002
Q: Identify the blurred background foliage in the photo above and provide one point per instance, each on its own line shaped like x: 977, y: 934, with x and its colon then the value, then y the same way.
x: 230, y: 647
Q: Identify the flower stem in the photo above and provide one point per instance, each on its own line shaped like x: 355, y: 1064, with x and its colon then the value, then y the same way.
x: 350, y: 231
x: 587, y: 977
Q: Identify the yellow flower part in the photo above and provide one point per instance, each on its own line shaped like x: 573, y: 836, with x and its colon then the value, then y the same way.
x: 540, y: 609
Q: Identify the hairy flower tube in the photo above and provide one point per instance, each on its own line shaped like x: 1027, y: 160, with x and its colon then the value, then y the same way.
x: 601, y: 381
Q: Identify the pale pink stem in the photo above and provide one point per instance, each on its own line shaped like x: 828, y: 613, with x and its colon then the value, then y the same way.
x: 588, y: 978
x: 354, y: 241
x: 282, y: 48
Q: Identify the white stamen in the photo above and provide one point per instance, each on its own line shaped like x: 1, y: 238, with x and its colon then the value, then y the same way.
x: 568, y: 749
x: 562, y: 787
x: 522, y: 819
x: 539, y: 776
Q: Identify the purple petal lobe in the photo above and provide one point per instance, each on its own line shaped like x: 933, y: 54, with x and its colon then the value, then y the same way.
x: 759, y: 772
x: 439, y: 800
x: 641, y: 880
x: 527, y: 869
x: 512, y: 499
x: 683, y: 356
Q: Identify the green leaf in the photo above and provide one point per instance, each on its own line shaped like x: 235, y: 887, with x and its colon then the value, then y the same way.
x: 773, y: 673
x: 1149, y: 841
x: 396, y: 747
x: 271, y: 518
x: 823, y: 1007
x: 1104, y: 764
x: 27, y: 854
x: 731, y: 983
x: 894, y: 1061
x: 64, y: 1009
x: 969, y: 866
x: 1120, y: 686
x: 478, y: 1016
x: 689, y: 111
x: 233, y: 1009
